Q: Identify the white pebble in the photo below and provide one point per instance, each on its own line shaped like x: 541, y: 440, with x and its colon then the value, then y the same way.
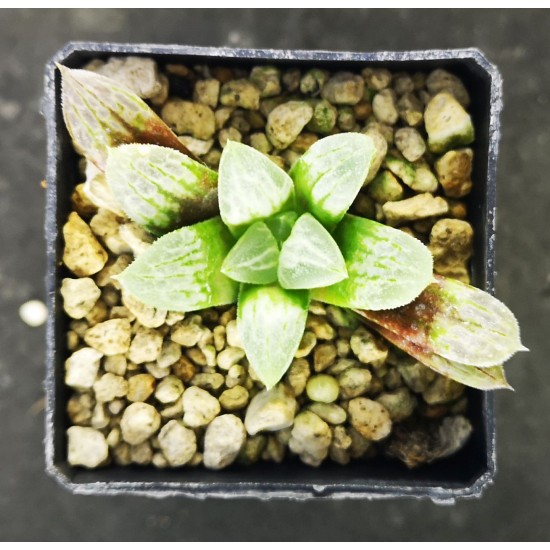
x: 34, y: 313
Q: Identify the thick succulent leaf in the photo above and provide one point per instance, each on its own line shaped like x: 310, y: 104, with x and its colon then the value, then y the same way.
x: 330, y: 174
x: 160, y: 188
x: 456, y: 321
x: 281, y: 225
x: 271, y: 323
x: 181, y: 271
x: 251, y: 187
x: 489, y: 378
x: 254, y: 258
x: 100, y: 113
x: 386, y: 267
x: 309, y: 257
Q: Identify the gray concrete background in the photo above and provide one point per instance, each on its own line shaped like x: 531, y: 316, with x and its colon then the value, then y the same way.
x: 33, y: 507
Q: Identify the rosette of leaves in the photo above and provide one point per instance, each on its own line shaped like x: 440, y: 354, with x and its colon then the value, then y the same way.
x: 280, y: 240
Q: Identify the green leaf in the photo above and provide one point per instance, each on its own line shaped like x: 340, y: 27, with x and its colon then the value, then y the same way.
x: 330, y: 174
x: 456, y: 321
x: 251, y: 187
x: 281, y: 225
x: 254, y: 258
x: 386, y: 267
x: 160, y: 188
x: 309, y: 257
x: 271, y: 322
x: 489, y: 378
x: 100, y: 113
x: 181, y: 271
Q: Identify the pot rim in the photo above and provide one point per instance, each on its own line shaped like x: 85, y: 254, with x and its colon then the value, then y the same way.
x: 368, y: 488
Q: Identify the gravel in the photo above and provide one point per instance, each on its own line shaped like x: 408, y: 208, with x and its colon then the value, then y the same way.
x: 168, y: 389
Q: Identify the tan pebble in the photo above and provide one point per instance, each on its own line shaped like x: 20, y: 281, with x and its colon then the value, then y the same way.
x: 139, y: 422
x: 81, y: 368
x: 270, y: 410
x: 184, y: 369
x: 178, y: 443
x: 324, y: 356
x: 185, y: 117
x: 79, y: 408
x: 169, y: 389
x: 109, y: 387
x: 234, y: 398
x: 146, y: 345
x: 110, y: 337
x: 140, y: 387
x: 86, y: 447
x: 310, y: 438
x: 115, y: 364
x: 223, y: 441
x: 79, y: 296
x: 83, y: 254
x: 200, y: 408
x: 369, y: 418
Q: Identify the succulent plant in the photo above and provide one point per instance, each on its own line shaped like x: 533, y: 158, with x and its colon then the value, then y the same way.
x: 278, y: 241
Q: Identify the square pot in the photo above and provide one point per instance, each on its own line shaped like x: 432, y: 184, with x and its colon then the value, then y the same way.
x: 464, y: 474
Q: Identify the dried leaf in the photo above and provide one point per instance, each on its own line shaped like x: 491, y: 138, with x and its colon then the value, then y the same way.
x: 100, y: 113
x: 456, y: 321
x: 488, y: 378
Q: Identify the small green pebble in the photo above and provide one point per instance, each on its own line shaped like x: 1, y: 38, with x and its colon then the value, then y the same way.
x: 322, y: 388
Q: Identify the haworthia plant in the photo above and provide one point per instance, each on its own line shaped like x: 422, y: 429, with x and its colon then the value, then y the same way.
x: 280, y: 240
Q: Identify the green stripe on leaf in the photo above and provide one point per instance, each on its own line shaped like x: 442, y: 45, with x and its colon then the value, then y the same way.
x: 330, y: 174
x: 181, y: 271
x: 386, y: 267
x: 271, y: 322
x: 160, y: 188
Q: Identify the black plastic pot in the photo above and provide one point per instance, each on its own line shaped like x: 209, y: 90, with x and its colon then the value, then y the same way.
x: 465, y: 474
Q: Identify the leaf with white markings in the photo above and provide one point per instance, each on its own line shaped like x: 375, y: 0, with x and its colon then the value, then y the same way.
x: 254, y: 258
x: 457, y: 322
x: 488, y: 378
x: 386, y: 267
x: 181, y: 271
x: 330, y: 174
x: 309, y: 257
x: 271, y: 322
x: 160, y: 188
x: 101, y: 113
x: 251, y: 187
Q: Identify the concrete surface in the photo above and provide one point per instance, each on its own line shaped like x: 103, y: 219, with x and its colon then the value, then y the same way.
x: 517, y: 507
